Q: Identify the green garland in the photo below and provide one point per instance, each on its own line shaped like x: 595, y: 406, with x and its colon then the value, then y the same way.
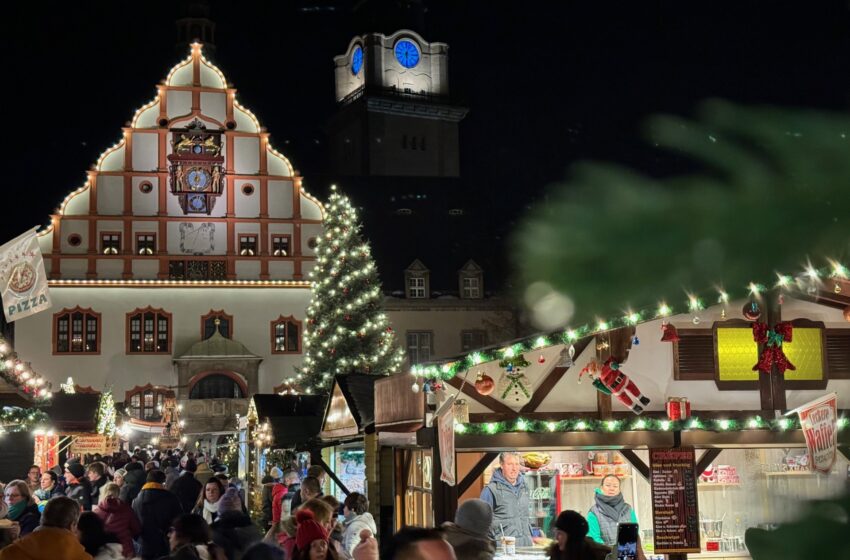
x: 16, y: 419
x: 632, y: 425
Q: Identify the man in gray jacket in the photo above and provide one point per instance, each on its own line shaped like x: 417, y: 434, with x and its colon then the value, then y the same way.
x: 507, y: 494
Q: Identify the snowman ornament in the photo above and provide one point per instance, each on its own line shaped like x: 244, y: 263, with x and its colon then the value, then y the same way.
x: 513, y: 387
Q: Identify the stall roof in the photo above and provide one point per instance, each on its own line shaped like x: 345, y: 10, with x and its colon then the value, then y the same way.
x: 294, y: 419
x: 351, y: 408
x: 74, y: 412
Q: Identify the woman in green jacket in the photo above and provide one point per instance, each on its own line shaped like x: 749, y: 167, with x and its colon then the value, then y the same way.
x: 608, y: 511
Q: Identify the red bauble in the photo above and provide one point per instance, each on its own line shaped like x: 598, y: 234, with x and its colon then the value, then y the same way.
x: 847, y: 313
x: 669, y: 333
x: 541, y: 359
x: 484, y: 384
x: 751, y: 311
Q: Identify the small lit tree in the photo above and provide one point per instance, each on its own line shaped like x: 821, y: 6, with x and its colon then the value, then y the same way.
x: 106, y: 414
x: 346, y: 328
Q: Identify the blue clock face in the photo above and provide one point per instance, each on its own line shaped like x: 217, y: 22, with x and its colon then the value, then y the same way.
x: 356, y: 61
x: 197, y: 179
x: 407, y: 54
x: 198, y: 203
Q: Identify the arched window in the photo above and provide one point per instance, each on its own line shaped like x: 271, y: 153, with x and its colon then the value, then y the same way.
x: 76, y: 331
x: 286, y: 335
x: 208, y: 326
x: 216, y: 386
x: 145, y: 403
x: 148, y: 331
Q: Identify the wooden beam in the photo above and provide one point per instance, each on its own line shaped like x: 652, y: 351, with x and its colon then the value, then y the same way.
x: 486, y: 400
x: 316, y: 459
x: 551, y: 380
x: 706, y: 459
x: 636, y: 462
x: 476, y: 471
x: 738, y: 415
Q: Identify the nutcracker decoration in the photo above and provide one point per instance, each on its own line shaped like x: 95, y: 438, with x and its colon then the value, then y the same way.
x: 772, y: 353
x: 617, y: 383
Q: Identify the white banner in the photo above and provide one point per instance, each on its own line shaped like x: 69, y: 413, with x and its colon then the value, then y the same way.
x: 22, y: 278
x: 446, y: 441
x: 819, y: 420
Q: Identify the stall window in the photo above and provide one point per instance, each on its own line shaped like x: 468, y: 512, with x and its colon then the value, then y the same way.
x: 76, y: 331
x: 415, y: 491
x: 148, y: 331
x: 286, y: 335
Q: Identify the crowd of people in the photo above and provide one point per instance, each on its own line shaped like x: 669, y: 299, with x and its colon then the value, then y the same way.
x: 180, y: 505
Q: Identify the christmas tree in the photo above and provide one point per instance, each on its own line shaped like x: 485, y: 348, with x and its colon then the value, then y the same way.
x: 346, y: 329
x: 106, y: 415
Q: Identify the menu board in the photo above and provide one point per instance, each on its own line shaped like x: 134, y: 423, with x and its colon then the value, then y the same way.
x: 675, y: 512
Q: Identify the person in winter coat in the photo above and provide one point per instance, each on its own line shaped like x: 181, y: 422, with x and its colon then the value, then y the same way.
x: 54, y: 539
x: 311, y: 539
x: 118, y: 518
x: 508, y: 495
x: 469, y: 535
x: 49, y: 487
x: 572, y: 542
x: 134, y: 479
x: 322, y: 514
x: 233, y: 530
x: 293, y: 488
x: 96, y: 473
x: 355, y: 508
x: 268, y: 486
x: 187, y: 487
x: 171, y: 472
x: 22, y: 509
x: 608, y: 510
x: 207, y: 504
x: 79, y: 488
x: 97, y: 542
x: 189, y: 539
x: 156, y: 508
x: 314, y: 472
x: 118, y: 477
x: 33, y: 478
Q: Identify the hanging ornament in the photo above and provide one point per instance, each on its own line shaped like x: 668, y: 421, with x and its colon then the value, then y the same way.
x: 751, y: 311
x: 847, y: 313
x: 571, y: 352
x: 514, y: 387
x: 415, y: 387
x: 669, y: 333
x: 723, y: 314
x: 427, y: 388
x: 678, y: 408
x: 696, y: 320
x: 837, y: 288
x: 635, y: 340
x: 461, y: 411
x: 484, y: 384
x: 617, y: 383
x: 541, y: 359
x: 781, y: 299
x: 772, y: 353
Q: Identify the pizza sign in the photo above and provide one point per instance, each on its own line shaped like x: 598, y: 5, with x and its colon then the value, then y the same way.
x: 23, y: 281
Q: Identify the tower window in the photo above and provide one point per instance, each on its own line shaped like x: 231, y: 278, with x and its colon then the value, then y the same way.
x: 280, y: 245
x: 145, y: 243
x: 110, y: 243
x: 248, y: 245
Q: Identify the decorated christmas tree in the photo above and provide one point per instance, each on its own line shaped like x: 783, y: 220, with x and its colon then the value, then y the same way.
x: 346, y: 330
x: 106, y: 415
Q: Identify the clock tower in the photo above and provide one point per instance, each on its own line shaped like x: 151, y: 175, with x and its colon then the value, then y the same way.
x: 395, y: 116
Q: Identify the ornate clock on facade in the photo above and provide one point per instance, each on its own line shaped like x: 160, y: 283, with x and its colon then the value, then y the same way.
x: 196, y: 163
x: 406, y: 53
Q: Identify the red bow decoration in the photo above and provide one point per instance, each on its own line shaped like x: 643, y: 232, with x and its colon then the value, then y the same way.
x: 772, y: 353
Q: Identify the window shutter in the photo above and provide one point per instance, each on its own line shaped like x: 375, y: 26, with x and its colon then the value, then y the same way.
x: 693, y: 355
x: 838, y: 353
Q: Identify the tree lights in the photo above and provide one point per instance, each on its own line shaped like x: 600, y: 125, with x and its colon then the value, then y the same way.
x: 346, y: 329
x: 106, y: 415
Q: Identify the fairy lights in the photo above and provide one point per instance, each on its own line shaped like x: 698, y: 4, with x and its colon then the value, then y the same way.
x: 20, y: 375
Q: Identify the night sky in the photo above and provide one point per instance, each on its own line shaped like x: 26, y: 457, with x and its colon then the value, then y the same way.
x: 547, y: 83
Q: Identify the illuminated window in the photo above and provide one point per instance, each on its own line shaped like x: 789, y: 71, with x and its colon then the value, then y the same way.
x: 280, y: 245
x: 145, y: 243
x: 286, y: 335
x: 76, y: 331
x: 148, y: 331
x: 145, y: 403
x: 110, y: 243
x: 248, y: 245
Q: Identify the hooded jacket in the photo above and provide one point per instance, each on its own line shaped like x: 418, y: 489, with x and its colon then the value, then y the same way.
x: 80, y: 493
x: 187, y: 489
x: 352, y: 528
x: 510, y: 503
x: 120, y: 520
x: 233, y: 531
x: 133, y: 482
x: 46, y: 543
x: 156, y: 508
x: 468, y: 545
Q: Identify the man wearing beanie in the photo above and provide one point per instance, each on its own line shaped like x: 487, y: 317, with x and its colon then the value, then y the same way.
x: 572, y: 542
x: 469, y: 535
x: 232, y: 529
x: 79, y: 488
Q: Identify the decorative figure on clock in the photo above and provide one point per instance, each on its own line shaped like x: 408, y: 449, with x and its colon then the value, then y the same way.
x: 196, y: 167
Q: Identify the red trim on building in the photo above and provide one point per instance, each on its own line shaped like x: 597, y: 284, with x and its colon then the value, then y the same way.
x: 68, y: 311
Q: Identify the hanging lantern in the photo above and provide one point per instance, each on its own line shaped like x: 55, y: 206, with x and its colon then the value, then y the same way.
x: 678, y: 408
x: 415, y: 387
x: 461, y: 411
x: 484, y: 384
x: 669, y: 333
x: 751, y: 311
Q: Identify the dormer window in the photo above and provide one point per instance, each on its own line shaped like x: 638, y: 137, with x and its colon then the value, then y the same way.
x: 471, y: 288
x: 416, y: 287
x: 470, y: 281
x: 416, y: 281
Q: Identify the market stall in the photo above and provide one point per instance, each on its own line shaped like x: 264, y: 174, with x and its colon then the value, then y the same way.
x: 692, y: 377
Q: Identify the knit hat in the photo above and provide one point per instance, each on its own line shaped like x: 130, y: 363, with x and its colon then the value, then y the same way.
x: 573, y: 524
x: 230, y: 501
x: 76, y: 469
x: 276, y: 473
x: 475, y: 516
x: 120, y: 472
x: 308, y: 529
